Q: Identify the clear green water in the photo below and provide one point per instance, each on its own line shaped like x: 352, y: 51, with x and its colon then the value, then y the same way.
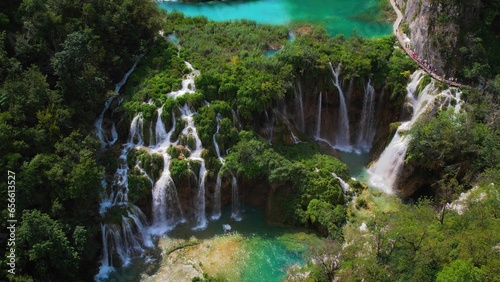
x: 357, y: 164
x: 338, y: 16
x: 272, y: 249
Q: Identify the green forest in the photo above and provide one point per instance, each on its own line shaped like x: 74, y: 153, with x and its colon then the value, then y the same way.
x: 60, y: 61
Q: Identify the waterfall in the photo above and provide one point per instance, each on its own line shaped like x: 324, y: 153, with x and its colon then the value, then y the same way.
x: 217, y: 193
x: 318, y: 122
x: 235, y: 200
x: 167, y: 212
x: 136, y: 131
x: 132, y: 234
x: 384, y: 173
x: 269, y: 127
x: 367, y: 123
x: 214, y: 137
x: 188, y: 86
x: 100, y: 120
x: 190, y: 130
x: 217, y: 197
x: 342, y: 138
x: 343, y: 184
x: 299, y: 106
x: 161, y: 132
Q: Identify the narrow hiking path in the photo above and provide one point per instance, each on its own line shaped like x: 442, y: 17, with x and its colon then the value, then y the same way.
x: 409, y: 52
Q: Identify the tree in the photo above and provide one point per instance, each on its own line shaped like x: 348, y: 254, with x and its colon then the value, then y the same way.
x: 45, y: 252
x: 326, y: 255
x: 460, y: 271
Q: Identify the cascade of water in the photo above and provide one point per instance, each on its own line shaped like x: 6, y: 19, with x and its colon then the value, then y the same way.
x: 167, y: 212
x: 342, y: 138
x: 384, y: 173
x: 367, y: 123
x: 188, y: 86
x: 217, y: 197
x: 190, y: 130
x: 269, y: 127
x: 299, y: 105
x: 235, y: 205
x: 343, y: 184
x: 216, y: 145
x: 295, y: 138
x: 318, y: 122
x: 136, y: 131
x: 99, y: 122
x: 161, y: 132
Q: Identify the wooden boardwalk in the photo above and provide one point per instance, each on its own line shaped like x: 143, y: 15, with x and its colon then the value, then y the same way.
x: 409, y: 52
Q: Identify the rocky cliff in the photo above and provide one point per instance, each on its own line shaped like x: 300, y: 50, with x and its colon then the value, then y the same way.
x: 457, y: 37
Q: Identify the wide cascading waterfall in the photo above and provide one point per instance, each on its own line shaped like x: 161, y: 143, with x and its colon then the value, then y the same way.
x: 385, y: 172
x: 367, y: 124
x: 129, y: 236
x: 342, y: 140
x: 235, y: 200
x: 102, y: 125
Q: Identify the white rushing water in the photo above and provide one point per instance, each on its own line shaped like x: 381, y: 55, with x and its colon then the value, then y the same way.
x: 342, y: 137
x: 235, y: 200
x: 129, y: 237
x: 367, y: 124
x: 318, y: 119
x: 385, y: 171
x: 299, y: 105
x: 343, y: 184
x: 101, y: 124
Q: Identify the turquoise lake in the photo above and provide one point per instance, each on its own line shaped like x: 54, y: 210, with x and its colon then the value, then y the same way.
x: 339, y: 17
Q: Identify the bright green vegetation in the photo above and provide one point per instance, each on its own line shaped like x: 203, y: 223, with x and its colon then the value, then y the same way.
x: 459, y: 149
x: 59, y: 61
x: 411, y: 244
x: 241, y: 83
x: 313, y: 195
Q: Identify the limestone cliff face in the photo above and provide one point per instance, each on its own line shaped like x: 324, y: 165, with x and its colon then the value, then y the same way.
x: 438, y: 29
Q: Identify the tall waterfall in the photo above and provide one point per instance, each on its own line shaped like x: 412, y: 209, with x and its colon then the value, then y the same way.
x: 217, y: 197
x: 367, y: 123
x: 299, y: 106
x: 342, y: 140
x: 190, y: 130
x: 384, y: 173
x: 127, y: 237
x: 318, y: 120
x: 214, y: 137
x: 166, y: 210
x: 218, y: 184
x: 132, y: 234
x: 235, y: 199
x: 269, y: 125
